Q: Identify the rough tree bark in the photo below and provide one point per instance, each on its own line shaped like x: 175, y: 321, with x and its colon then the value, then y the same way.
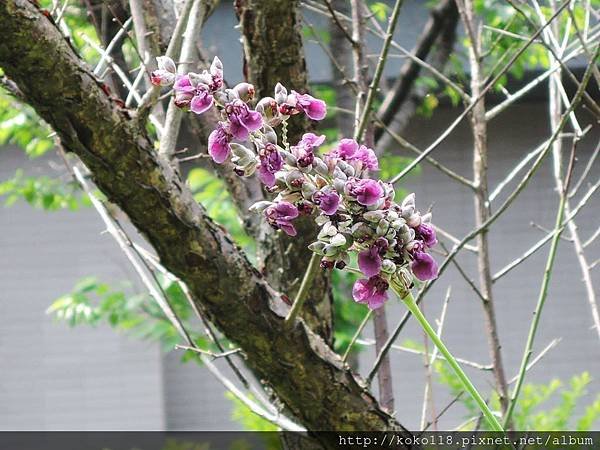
x: 306, y: 375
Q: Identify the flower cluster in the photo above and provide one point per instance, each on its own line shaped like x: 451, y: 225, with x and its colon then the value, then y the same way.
x: 356, y: 213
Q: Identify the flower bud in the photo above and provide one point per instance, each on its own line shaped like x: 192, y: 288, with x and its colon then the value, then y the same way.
x: 259, y: 207
x: 388, y: 266
x: 308, y: 189
x: 409, y: 200
x: 414, y: 220
x: 361, y: 232
x: 280, y: 93
x: 267, y: 107
x: 320, y: 167
x: 200, y: 78
x: 294, y: 179
x: 339, y: 174
x: 240, y: 151
x: 330, y: 250
x: 338, y: 240
x: 374, y: 216
x: 317, y: 247
x: 289, y: 159
x: 339, y: 185
x: 382, y: 227
x: 244, y: 91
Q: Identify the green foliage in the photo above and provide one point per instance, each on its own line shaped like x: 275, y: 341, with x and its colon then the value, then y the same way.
x: 251, y: 421
x: 380, y: 10
x: 92, y: 302
x: 43, y: 192
x: 211, y: 192
x: 21, y: 126
x: 246, y: 417
x: 348, y: 313
x: 391, y: 165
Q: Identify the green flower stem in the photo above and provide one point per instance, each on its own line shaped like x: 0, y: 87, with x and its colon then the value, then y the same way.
x: 357, y: 334
x: 409, y: 301
x: 311, y: 270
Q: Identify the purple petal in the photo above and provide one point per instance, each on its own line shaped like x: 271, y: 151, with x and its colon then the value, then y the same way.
x: 288, y: 228
x: 368, y: 158
x: 427, y: 234
x: 369, y: 262
x: 201, y: 102
x: 373, y: 292
x: 286, y: 210
x: 183, y: 84
x: 378, y: 299
x: 252, y: 121
x: 370, y: 192
x: 361, y: 291
x: 329, y: 203
x: 238, y: 130
x: 266, y: 176
x: 314, y: 108
x: 424, y: 266
x: 347, y: 148
x: 218, y: 146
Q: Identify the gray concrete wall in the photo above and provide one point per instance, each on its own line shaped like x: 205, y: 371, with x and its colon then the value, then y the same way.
x: 53, y: 377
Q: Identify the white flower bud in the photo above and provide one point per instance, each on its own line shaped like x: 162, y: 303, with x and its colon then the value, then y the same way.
x: 308, y: 189
x: 317, y: 247
x: 280, y: 93
x: 166, y: 63
x: 373, y: 216
x: 259, y: 207
x: 409, y: 200
x: 289, y: 159
x: 320, y: 167
x: 382, y: 227
x: 388, y: 266
x: 338, y: 240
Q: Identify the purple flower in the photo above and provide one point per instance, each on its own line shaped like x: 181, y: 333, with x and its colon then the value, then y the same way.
x: 304, y: 150
x: 369, y: 260
x: 280, y: 216
x: 373, y: 291
x: 427, y: 234
x: 424, y: 266
x: 366, y: 191
x: 184, y: 91
x: 218, y: 143
x: 202, y: 99
x: 270, y: 162
x: 216, y: 74
x: 242, y: 119
x: 314, y: 108
x: 195, y: 96
x: 328, y: 200
x: 165, y: 74
x: 367, y: 157
x: 349, y: 150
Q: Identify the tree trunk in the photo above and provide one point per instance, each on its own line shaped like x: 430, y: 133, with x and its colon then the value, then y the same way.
x: 273, y: 53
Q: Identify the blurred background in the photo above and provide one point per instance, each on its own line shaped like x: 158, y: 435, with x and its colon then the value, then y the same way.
x: 54, y: 376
